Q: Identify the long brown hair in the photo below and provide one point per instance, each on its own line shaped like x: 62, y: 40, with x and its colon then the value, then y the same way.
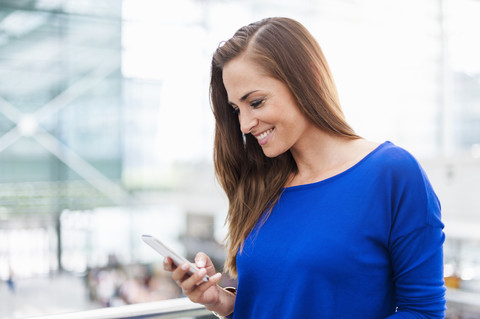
x: 285, y: 50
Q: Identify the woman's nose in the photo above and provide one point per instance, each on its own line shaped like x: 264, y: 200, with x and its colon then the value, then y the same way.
x: 247, y: 122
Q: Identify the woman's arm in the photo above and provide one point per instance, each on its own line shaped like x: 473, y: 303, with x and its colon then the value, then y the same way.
x: 416, y: 246
x: 418, y: 274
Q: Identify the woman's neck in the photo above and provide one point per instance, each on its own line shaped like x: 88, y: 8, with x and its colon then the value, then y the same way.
x: 323, y: 155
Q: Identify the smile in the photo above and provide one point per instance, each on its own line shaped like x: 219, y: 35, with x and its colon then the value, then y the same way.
x: 262, y: 136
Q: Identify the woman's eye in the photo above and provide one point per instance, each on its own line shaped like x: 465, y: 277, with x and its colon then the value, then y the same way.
x: 257, y: 103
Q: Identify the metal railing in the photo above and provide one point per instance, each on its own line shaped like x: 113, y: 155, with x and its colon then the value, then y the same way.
x: 466, y: 304
x: 165, y: 309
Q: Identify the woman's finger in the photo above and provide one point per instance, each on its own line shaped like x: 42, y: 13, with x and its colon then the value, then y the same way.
x: 194, y: 280
x: 168, y: 264
x: 198, y: 293
x: 203, y: 261
x: 181, y: 273
x: 191, y: 284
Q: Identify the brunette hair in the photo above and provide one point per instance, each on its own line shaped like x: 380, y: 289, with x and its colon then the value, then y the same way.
x: 253, y: 182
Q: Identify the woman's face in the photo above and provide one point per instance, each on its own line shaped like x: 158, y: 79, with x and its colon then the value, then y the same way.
x: 265, y: 107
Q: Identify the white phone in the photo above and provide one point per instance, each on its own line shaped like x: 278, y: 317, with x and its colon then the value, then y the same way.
x: 163, y: 250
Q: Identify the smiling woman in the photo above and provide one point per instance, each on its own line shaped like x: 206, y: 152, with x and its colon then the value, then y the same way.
x: 301, y: 104
x: 322, y: 223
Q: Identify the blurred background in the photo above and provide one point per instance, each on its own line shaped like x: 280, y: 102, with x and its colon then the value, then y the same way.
x: 106, y: 132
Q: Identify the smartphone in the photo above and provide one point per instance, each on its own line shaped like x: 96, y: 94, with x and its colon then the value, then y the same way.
x: 163, y: 250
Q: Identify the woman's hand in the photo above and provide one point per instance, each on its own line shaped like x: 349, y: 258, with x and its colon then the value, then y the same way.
x: 208, y: 293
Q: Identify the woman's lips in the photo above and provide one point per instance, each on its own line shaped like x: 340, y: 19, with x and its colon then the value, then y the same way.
x: 264, y: 137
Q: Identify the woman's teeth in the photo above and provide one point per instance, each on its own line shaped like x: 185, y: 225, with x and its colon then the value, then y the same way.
x: 264, y: 134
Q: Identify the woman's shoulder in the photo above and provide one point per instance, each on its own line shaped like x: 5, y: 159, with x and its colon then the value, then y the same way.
x: 408, y: 180
x: 394, y: 155
x: 397, y: 164
x: 382, y: 154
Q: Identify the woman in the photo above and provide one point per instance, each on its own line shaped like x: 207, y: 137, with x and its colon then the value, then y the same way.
x: 322, y: 223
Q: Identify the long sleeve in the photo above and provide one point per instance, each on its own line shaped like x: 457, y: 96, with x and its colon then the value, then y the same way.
x: 416, y: 242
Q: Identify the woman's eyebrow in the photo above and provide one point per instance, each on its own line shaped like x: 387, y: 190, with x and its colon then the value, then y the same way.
x: 243, y: 98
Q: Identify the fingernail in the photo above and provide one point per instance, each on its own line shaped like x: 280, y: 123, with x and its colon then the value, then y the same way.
x: 202, y: 271
x: 201, y: 263
x: 185, y: 266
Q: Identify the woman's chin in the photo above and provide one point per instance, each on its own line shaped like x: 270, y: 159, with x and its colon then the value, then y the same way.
x: 272, y: 153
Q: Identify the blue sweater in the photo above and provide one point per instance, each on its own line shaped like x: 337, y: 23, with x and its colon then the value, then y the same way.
x: 364, y: 244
